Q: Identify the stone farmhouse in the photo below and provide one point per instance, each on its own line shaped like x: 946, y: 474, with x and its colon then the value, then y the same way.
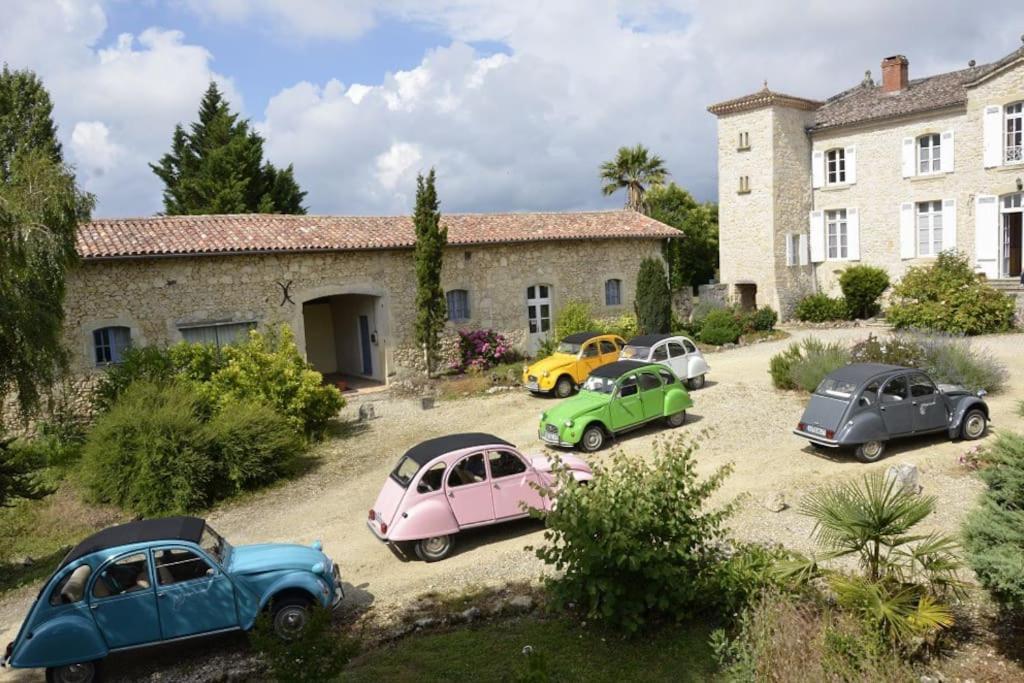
x: 344, y: 284
x: 885, y: 174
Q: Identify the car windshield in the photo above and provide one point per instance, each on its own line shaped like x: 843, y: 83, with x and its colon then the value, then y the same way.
x: 214, y: 545
x: 602, y: 385
x: 635, y: 352
x: 406, y: 470
x: 570, y: 348
x: 836, y: 388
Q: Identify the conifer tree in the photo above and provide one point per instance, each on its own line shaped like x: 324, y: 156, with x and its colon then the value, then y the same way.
x: 431, y: 238
x: 653, y: 302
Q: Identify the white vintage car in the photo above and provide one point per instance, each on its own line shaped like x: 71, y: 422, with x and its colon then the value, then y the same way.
x: 678, y: 353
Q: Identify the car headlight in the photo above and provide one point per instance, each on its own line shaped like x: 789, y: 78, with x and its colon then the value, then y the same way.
x: 568, y: 423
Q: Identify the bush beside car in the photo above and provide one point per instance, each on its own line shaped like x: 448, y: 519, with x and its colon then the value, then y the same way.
x: 803, y: 365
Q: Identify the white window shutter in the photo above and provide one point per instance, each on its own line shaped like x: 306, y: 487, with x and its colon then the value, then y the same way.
x: 803, y: 249
x: 818, y: 169
x: 908, y: 233
x: 817, y: 236
x: 946, y: 150
x: 851, y: 165
x: 992, y: 127
x: 853, y: 234
x: 986, y: 234
x: 789, y: 250
x: 948, y: 224
x: 909, y: 160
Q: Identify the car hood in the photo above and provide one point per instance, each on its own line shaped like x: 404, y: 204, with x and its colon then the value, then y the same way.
x: 955, y: 390
x: 575, y: 407
x: 553, y: 362
x: 825, y: 412
x: 542, y: 463
x: 272, y: 557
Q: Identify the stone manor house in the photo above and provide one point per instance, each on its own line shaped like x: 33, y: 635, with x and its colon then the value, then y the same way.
x: 887, y: 174
x: 344, y: 284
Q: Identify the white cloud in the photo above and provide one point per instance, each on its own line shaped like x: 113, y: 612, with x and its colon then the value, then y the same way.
x: 396, y: 163
x: 92, y: 147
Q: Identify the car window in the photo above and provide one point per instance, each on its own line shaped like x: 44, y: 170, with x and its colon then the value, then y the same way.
x: 920, y: 386
x: 666, y: 376
x: 469, y: 470
x: 126, y: 575
x: 690, y: 348
x: 660, y: 353
x: 895, y: 390
x: 675, y: 349
x: 71, y: 588
x: 432, y: 478
x: 590, y: 350
x: 870, y: 392
x: 505, y: 464
x: 177, y: 565
x: 648, y: 381
x: 638, y: 352
x: 628, y: 387
x: 607, y: 347
x: 601, y: 385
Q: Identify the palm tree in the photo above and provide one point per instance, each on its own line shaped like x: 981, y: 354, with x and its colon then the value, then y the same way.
x: 633, y: 169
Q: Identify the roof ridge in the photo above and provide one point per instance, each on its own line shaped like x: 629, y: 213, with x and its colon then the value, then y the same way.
x: 294, y: 216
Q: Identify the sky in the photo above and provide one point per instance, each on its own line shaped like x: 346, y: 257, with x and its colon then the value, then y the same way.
x: 515, y: 103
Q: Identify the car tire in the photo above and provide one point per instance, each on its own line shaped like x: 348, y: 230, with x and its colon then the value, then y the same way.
x: 84, y: 672
x: 564, y: 387
x: 696, y: 382
x: 290, y: 617
x: 974, y: 425
x: 592, y: 439
x: 435, y: 548
x: 676, y: 419
x: 870, y: 451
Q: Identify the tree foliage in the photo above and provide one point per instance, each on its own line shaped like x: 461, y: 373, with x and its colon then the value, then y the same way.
x: 693, y: 257
x: 19, y: 473
x: 428, y: 255
x: 862, y: 286
x: 26, y: 119
x: 217, y: 167
x: 634, y: 169
x: 653, y: 301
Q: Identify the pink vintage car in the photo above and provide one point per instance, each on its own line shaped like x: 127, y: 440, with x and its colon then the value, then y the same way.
x: 456, y: 482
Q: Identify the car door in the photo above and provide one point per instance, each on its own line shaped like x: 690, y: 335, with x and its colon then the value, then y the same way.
x: 652, y: 394
x: 677, y: 359
x: 511, y: 480
x: 625, y: 408
x: 469, y: 491
x: 590, y: 359
x: 609, y: 351
x: 123, y: 602
x: 193, y: 594
x: 930, y: 410
x: 659, y: 354
x: 895, y: 406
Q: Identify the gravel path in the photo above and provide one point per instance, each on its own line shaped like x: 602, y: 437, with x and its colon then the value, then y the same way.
x: 747, y: 421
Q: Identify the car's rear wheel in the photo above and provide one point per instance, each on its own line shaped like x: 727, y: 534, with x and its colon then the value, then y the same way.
x: 434, y: 548
x: 676, y: 419
x: 696, y: 382
x: 83, y: 672
x: 563, y: 387
x: 290, y: 617
x: 593, y: 438
x: 870, y: 451
x: 974, y: 425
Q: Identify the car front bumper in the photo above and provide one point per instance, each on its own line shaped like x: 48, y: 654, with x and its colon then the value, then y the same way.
x: 820, y: 440
x: 553, y: 438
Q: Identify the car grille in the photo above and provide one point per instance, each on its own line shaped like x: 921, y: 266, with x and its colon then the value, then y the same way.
x: 551, y: 429
x: 531, y: 378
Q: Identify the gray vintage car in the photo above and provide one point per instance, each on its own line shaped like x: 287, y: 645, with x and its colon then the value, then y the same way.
x: 864, y: 405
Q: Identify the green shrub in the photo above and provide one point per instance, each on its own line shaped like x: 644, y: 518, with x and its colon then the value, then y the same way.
x: 994, y: 531
x: 653, y: 300
x: 780, y: 367
x: 720, y: 327
x: 575, y: 316
x: 820, y: 308
x: 546, y: 347
x: 862, y: 287
x: 251, y: 445
x: 948, y: 297
x: 147, y: 363
x: 636, y: 544
x: 319, y: 655
x: 625, y: 326
x: 895, y: 350
x: 700, y: 314
x: 763, y: 319
x: 803, y: 365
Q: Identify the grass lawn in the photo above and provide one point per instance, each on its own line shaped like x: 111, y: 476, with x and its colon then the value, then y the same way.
x: 569, y: 652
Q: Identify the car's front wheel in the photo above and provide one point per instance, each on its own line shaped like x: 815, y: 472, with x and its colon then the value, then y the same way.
x: 84, y: 672
x: 593, y: 438
x: 291, y: 617
x: 870, y: 451
x: 974, y: 425
x: 676, y: 419
x: 696, y: 382
x: 563, y: 387
x: 434, y: 548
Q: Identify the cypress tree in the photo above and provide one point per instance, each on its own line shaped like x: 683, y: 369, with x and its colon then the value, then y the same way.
x: 431, y: 238
x: 653, y: 303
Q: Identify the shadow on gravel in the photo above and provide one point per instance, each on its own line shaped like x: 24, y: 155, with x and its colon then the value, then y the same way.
x: 468, y: 540
x: 893, y: 449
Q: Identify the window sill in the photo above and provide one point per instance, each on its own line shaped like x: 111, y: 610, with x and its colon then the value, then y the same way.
x: 742, y: 191
x: 743, y: 149
x: 836, y: 186
x: 1008, y: 167
x: 928, y: 176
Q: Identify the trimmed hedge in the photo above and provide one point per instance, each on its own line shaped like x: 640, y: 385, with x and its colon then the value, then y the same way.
x: 820, y: 308
x: 862, y: 287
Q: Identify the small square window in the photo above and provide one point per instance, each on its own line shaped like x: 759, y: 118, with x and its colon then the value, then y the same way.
x: 110, y: 343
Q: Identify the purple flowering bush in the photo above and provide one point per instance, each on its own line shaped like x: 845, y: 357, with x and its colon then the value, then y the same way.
x: 481, y: 349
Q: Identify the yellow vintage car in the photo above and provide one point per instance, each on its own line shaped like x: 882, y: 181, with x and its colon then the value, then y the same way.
x: 572, y: 362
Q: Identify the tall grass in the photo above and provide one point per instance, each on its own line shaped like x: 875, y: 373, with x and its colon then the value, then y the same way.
x: 803, y: 365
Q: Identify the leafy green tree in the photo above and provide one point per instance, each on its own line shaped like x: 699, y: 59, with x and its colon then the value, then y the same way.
x: 18, y: 474
x: 217, y: 167
x: 40, y: 209
x: 431, y: 238
x: 634, y: 169
x: 693, y: 258
x: 653, y: 301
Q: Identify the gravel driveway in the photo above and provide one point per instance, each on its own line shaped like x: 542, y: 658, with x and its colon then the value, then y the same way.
x: 747, y: 422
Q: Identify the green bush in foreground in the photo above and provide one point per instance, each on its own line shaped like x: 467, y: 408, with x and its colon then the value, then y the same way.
x: 803, y: 365
x: 319, y: 655
x: 862, y: 287
x: 720, y: 327
x: 994, y: 531
x: 820, y: 308
x: 575, y: 316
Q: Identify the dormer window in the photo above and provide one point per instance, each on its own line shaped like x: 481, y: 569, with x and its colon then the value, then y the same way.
x: 835, y: 166
x: 929, y: 154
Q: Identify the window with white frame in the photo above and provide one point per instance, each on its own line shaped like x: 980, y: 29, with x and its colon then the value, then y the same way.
x: 458, y: 305
x: 836, y: 235
x: 613, y: 292
x: 929, y: 154
x: 793, y: 249
x: 110, y: 343
x: 1014, y: 132
x: 929, y: 228
x: 217, y: 334
x: 835, y: 166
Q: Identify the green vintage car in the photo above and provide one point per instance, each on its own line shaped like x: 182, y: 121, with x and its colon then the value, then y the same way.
x: 616, y: 398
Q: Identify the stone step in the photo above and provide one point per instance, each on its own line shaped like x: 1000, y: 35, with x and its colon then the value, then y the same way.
x: 1008, y: 285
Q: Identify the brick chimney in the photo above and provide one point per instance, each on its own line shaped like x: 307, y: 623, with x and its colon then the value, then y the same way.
x: 894, y: 73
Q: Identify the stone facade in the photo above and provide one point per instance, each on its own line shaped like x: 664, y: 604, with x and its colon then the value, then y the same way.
x: 159, y: 299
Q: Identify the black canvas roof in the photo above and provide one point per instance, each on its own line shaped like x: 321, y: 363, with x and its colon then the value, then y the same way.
x: 425, y: 451
x: 618, y: 368
x: 580, y: 337
x: 164, y: 529
x: 861, y: 372
x: 648, y: 339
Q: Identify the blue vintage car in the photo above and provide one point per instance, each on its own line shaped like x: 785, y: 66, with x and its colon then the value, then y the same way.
x: 160, y: 580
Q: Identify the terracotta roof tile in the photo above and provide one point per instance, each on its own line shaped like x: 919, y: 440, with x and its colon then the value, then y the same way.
x: 248, y: 233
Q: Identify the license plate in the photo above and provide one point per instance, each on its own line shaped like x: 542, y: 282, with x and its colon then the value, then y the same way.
x: 532, y: 386
x: 549, y: 437
x: 816, y: 430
